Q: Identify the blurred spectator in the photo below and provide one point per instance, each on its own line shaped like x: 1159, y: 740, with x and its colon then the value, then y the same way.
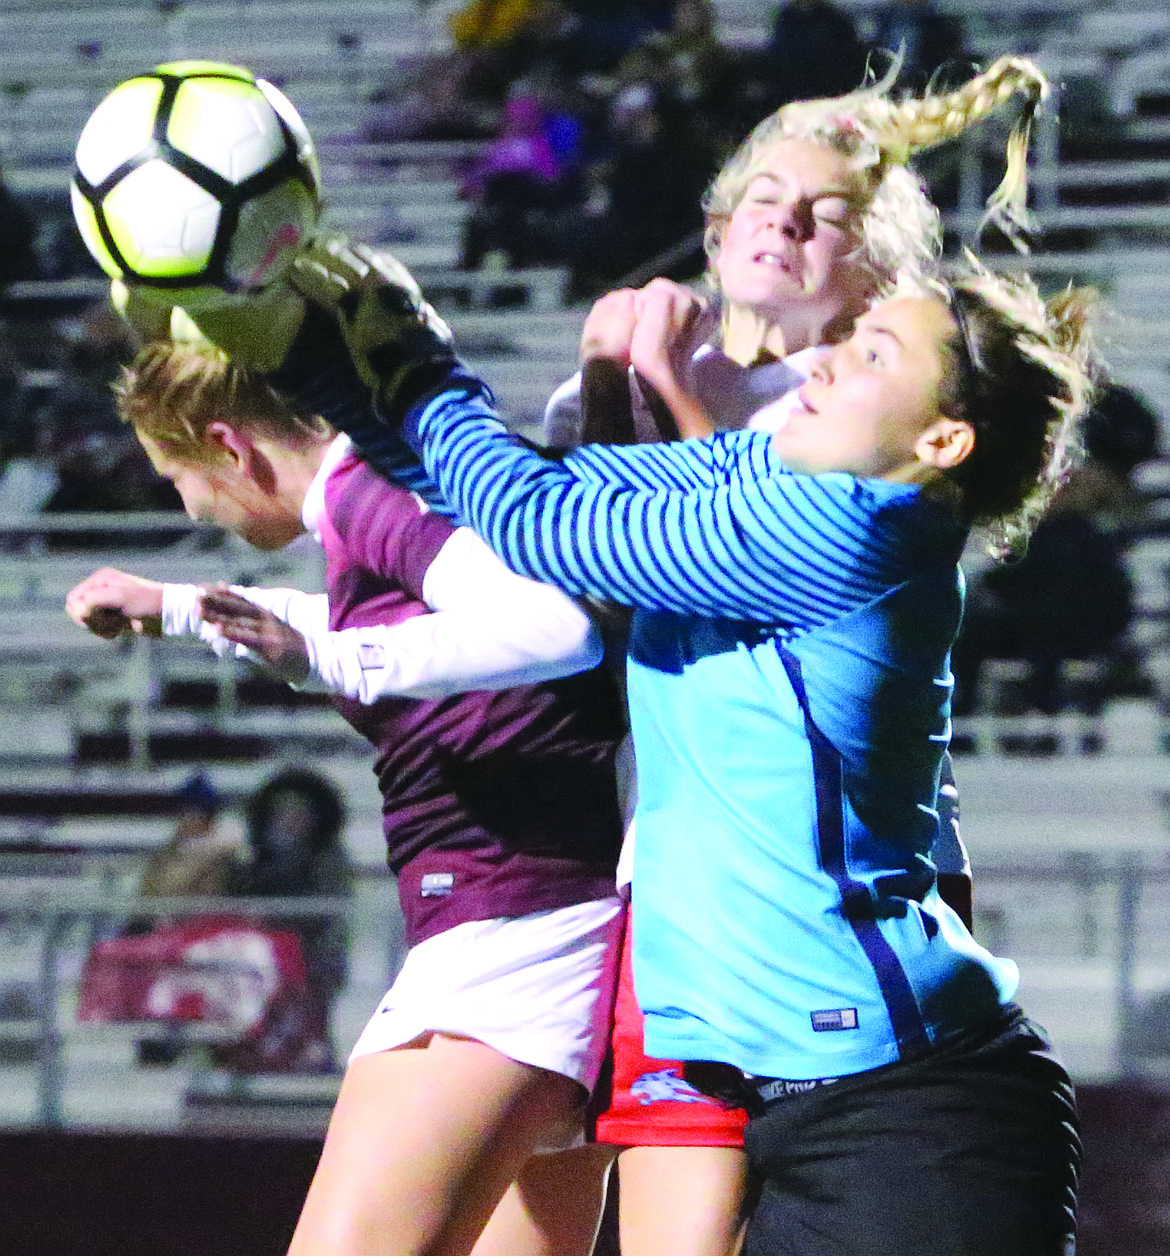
x: 688, y: 66
x: 489, y: 23
x: 529, y: 170
x: 570, y: 119
x: 294, y: 827
x: 63, y: 446
x: 201, y: 855
x: 502, y: 40
x: 813, y: 51
x: 18, y: 258
x: 267, y: 982
x: 1070, y: 596
x: 642, y: 193
x: 197, y: 859
x: 75, y: 427
x: 1120, y: 433
x: 610, y: 28
x: 695, y: 60
x: 14, y: 438
x: 459, y: 94
x: 433, y: 100
x: 930, y: 42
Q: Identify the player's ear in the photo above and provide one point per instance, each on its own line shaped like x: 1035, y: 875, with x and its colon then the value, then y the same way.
x: 945, y: 443
x: 231, y: 444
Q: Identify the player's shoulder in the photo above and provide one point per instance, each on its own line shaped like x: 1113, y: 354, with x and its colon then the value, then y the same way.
x: 357, y: 498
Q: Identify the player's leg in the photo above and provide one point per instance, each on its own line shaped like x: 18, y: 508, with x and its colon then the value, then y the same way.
x: 682, y: 1173
x: 422, y: 1145
x: 688, y: 1201
x: 553, y: 1208
x: 482, y: 1051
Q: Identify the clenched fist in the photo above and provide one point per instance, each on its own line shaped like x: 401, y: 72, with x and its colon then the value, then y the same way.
x: 110, y: 603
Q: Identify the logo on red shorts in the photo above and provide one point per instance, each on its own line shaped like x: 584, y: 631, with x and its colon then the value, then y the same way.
x: 667, y: 1085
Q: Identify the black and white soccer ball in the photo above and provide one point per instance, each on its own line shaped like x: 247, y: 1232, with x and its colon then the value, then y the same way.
x: 197, y: 174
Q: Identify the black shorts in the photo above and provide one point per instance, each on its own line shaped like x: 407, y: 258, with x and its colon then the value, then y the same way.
x: 971, y: 1150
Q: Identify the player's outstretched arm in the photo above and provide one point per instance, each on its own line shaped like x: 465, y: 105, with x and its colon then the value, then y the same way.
x: 488, y: 629
x: 111, y: 603
x: 345, y: 333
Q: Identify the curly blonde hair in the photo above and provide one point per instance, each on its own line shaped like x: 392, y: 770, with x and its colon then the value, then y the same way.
x: 172, y: 391
x: 879, y: 134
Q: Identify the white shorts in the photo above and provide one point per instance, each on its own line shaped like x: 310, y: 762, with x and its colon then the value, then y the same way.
x: 536, y: 988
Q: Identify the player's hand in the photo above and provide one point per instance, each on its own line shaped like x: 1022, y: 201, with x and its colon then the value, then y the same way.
x: 110, y: 603
x: 672, y: 321
x: 147, y: 310
x: 282, y: 648
x: 256, y: 330
x: 609, y: 327
x: 388, y: 327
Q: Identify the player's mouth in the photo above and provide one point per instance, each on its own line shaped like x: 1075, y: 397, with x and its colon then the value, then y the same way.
x: 802, y: 403
x: 775, y: 260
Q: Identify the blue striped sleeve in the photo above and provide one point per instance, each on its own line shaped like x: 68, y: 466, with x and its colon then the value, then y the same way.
x: 730, y: 535
x: 676, y: 465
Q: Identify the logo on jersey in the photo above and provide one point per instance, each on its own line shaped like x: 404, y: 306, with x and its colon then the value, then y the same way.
x: 371, y: 655
x: 666, y: 1084
x: 436, y: 884
x: 835, y: 1018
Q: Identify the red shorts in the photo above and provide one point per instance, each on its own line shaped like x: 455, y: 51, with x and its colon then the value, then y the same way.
x: 650, y: 1105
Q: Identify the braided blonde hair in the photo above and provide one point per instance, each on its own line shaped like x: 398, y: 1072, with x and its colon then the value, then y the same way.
x: 900, y: 228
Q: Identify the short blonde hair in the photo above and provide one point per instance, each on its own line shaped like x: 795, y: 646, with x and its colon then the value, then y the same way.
x: 900, y: 228
x: 173, y: 391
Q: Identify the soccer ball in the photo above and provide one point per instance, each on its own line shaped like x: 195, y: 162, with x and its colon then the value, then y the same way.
x: 195, y: 175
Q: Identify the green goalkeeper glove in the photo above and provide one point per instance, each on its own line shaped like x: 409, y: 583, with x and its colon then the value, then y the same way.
x: 348, y: 309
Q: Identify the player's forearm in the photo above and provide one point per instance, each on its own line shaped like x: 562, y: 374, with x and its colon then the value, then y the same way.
x: 610, y: 541
x: 691, y: 420
x: 445, y: 653
x: 487, y: 629
x: 518, y: 633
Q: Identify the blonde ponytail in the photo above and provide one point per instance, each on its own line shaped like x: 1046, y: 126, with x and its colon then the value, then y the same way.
x: 915, y: 125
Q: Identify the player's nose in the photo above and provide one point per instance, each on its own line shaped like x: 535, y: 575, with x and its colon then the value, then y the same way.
x: 794, y: 218
x: 822, y: 366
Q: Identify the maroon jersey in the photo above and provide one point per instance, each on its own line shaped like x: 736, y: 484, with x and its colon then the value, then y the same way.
x: 495, y: 803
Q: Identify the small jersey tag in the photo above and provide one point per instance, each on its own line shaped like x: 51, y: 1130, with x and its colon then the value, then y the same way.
x: 436, y: 884
x: 835, y: 1018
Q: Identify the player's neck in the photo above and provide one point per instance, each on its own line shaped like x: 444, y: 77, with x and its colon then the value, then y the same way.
x: 749, y: 335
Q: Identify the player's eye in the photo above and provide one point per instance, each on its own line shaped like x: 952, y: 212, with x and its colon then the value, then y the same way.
x: 832, y: 210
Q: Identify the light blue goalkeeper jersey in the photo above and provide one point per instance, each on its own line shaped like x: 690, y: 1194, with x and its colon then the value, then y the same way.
x: 787, y: 920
